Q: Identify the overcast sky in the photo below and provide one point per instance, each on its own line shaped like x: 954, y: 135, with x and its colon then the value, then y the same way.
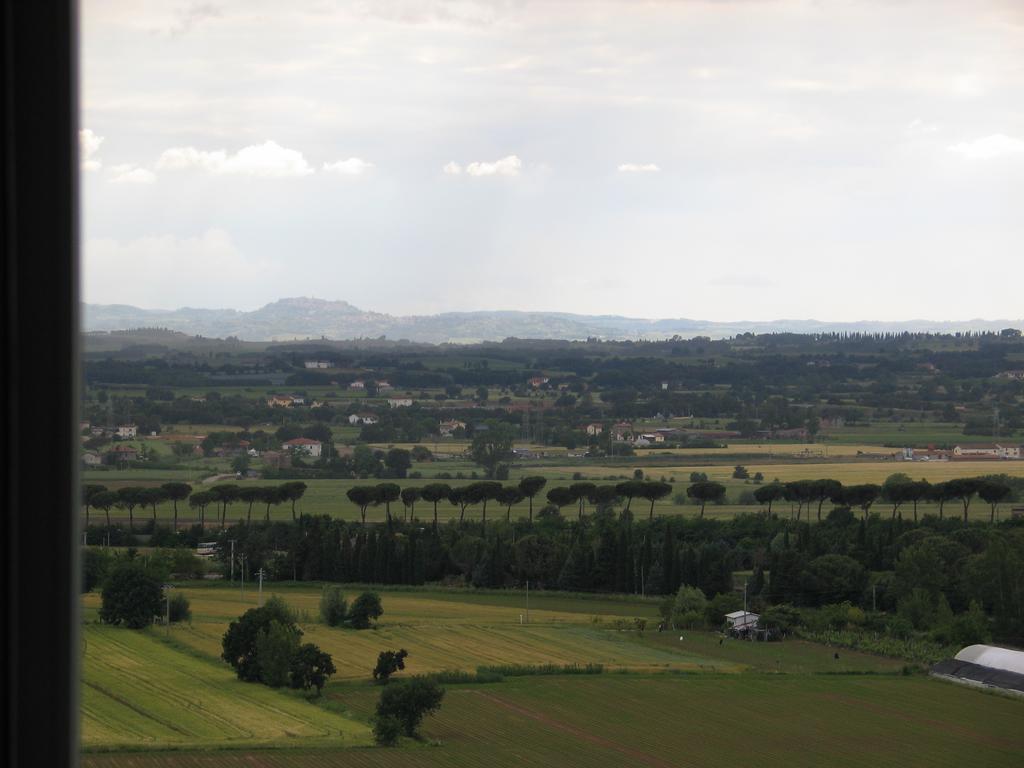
x: 716, y: 160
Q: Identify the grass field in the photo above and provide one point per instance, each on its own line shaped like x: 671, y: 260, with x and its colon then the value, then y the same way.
x: 685, y: 700
x: 698, y: 720
x: 139, y: 691
x: 327, y: 497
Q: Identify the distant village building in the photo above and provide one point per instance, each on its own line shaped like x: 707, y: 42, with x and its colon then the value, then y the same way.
x: 357, y: 384
x: 277, y: 459
x: 362, y: 418
x: 1015, y: 375
x: 91, y: 459
x: 595, y: 428
x: 448, y: 428
x: 399, y: 402
x: 651, y: 437
x: 317, y: 364
x: 622, y: 430
x: 279, y: 401
x: 383, y: 385
x: 538, y: 381
x: 298, y: 400
x: 127, y: 431
x: 304, y: 445
x: 987, y: 451
x: 120, y: 455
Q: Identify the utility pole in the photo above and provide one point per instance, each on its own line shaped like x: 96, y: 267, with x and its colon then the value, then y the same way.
x: 232, y: 561
x: 260, y: 574
x: 874, y: 608
x: 167, y: 614
x: 241, y: 563
x: 744, y: 598
x: 527, y: 602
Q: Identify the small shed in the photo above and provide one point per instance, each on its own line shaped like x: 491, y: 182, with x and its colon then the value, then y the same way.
x: 742, y: 622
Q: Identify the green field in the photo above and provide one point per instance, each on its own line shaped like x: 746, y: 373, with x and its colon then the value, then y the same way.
x: 665, y: 698
x: 780, y: 720
x: 139, y: 691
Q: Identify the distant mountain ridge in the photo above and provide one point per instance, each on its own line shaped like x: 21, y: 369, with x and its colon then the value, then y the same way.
x: 300, y: 318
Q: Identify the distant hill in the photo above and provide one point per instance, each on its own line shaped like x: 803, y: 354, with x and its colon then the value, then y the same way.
x: 301, y: 318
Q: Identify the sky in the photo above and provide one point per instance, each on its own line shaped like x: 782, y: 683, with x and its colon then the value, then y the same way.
x: 712, y: 159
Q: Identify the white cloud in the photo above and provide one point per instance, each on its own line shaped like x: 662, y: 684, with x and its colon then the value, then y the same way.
x: 267, y: 160
x: 507, y: 166
x: 131, y: 174
x: 996, y: 145
x: 639, y: 168
x: 157, y: 271
x: 354, y: 166
x: 89, y: 144
x: 452, y: 169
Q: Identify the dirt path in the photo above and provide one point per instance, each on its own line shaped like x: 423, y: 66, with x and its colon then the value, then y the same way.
x: 635, y: 754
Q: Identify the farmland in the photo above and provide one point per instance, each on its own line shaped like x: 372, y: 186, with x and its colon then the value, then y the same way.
x: 694, y: 702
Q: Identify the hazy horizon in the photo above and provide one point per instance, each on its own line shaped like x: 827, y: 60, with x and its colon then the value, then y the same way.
x: 854, y: 161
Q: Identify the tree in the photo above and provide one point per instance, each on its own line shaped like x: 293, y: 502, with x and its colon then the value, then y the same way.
x: 492, y: 446
x: 130, y: 596
x: 239, y: 642
x: 150, y: 497
x: 293, y: 491
x: 310, y: 668
x: 629, y: 489
x: 740, y: 472
x: 823, y: 490
x: 332, y: 606
x: 271, y: 494
x: 963, y: 489
x: 582, y: 492
x: 389, y: 662
x: 833, y: 579
x: 225, y: 495
x: 398, y: 460
x: 458, y: 497
x: 105, y: 500
x: 861, y: 496
x: 531, y: 486
x: 89, y: 492
x: 481, y: 493
x: 993, y: 492
x: 276, y: 644
x: 250, y: 494
x: 409, y: 498
x: 706, y: 491
x: 129, y: 498
x: 917, y: 491
x: 561, y: 496
x: 409, y: 702
x: 653, y: 490
x: 387, y: 493
x: 363, y: 496
x: 768, y: 494
x: 176, y: 492
x: 387, y: 731
x: 365, y: 608
x: 689, y: 607
x: 508, y: 497
x: 435, y: 492
x: 201, y: 500
x: 178, y: 608
x: 896, y: 490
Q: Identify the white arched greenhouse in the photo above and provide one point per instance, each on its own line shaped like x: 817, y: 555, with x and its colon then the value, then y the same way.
x: 986, y: 666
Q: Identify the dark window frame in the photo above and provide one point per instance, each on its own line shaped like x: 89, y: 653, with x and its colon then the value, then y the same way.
x: 39, y: 231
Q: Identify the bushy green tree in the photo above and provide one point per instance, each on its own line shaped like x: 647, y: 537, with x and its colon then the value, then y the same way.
x: 239, y: 642
x: 131, y: 596
x: 179, y: 609
x: 276, y: 644
x: 310, y: 668
x: 409, y: 701
x: 333, y: 606
x: 389, y: 662
x: 689, y: 607
x: 365, y: 609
